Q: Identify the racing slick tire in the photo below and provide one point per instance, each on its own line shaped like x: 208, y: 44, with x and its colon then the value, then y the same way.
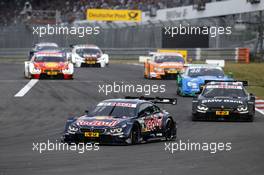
x: 27, y: 76
x: 135, y: 135
x: 194, y: 118
x: 169, y: 131
x: 250, y: 118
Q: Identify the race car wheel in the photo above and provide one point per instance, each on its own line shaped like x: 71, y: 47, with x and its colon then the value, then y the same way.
x: 179, y: 92
x: 27, y: 75
x: 194, y: 117
x: 135, y: 135
x: 169, y: 130
x: 250, y: 118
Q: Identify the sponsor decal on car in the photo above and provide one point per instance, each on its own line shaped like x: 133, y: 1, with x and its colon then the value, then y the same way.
x: 98, y: 123
x: 223, y: 87
x: 222, y: 101
x: 153, y: 123
x: 128, y: 105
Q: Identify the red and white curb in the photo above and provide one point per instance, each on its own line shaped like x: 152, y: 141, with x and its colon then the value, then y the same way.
x: 260, y: 105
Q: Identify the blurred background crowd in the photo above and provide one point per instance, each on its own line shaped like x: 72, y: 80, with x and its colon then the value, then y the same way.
x: 13, y: 11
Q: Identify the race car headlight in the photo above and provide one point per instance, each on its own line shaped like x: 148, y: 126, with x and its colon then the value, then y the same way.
x: 158, y: 69
x: 66, y: 70
x: 36, y: 70
x: 116, y: 130
x: 242, y: 108
x: 73, y: 129
x: 192, y: 84
x: 202, y: 107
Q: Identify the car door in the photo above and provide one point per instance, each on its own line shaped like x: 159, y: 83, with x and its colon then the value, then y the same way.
x: 150, y: 117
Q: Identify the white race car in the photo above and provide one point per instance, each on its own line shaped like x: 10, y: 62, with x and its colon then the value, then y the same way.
x: 88, y: 55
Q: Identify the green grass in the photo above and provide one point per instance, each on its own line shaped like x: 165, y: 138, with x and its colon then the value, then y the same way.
x: 253, y: 73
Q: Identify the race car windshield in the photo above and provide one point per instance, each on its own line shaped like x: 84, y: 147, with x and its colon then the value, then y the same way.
x: 167, y: 58
x: 49, y: 59
x: 223, y: 92
x: 115, y: 111
x: 196, y: 72
x: 47, y: 47
x: 88, y: 51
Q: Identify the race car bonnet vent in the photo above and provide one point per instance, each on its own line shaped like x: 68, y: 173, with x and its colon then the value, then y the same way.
x: 245, y: 83
x: 172, y: 101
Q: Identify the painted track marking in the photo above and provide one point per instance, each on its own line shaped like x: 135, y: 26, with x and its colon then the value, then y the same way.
x: 259, y: 105
x: 26, y: 88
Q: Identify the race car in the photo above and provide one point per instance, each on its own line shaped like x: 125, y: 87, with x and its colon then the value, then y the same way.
x: 163, y: 65
x: 88, y: 56
x: 49, y: 64
x: 192, y: 80
x: 224, y: 101
x: 41, y: 47
x: 131, y: 120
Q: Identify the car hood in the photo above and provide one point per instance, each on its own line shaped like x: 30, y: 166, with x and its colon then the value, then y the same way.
x: 202, y: 79
x: 100, y: 121
x: 222, y: 102
x: 171, y: 65
x: 50, y: 65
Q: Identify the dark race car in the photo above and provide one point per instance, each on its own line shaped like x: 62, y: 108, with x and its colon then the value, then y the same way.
x: 41, y: 47
x: 224, y: 101
x: 123, y: 121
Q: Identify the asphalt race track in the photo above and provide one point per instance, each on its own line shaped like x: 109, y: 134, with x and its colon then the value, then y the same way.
x: 40, y: 115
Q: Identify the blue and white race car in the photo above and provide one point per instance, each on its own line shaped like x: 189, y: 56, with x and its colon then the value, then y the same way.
x: 193, y: 79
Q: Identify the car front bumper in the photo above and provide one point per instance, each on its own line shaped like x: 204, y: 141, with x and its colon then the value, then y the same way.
x: 233, y: 116
x: 102, y: 139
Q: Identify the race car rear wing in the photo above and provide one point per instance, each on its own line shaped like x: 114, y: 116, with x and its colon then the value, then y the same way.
x: 245, y: 83
x: 172, y: 101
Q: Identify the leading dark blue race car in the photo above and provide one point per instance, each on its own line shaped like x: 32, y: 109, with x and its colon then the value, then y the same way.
x: 123, y: 121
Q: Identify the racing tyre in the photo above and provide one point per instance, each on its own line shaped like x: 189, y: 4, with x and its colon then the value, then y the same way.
x: 178, y: 91
x: 250, y: 118
x: 169, y: 131
x: 28, y: 76
x: 194, y: 117
x: 135, y: 135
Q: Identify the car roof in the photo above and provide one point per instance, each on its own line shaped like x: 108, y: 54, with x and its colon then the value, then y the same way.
x: 238, y: 83
x: 86, y: 46
x: 122, y: 100
x: 46, y: 44
x: 49, y: 53
x: 202, y: 66
x: 165, y: 54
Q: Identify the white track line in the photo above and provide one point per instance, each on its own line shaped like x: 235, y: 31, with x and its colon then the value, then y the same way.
x: 258, y: 103
x: 26, y: 88
x: 260, y: 111
x: 137, y: 64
